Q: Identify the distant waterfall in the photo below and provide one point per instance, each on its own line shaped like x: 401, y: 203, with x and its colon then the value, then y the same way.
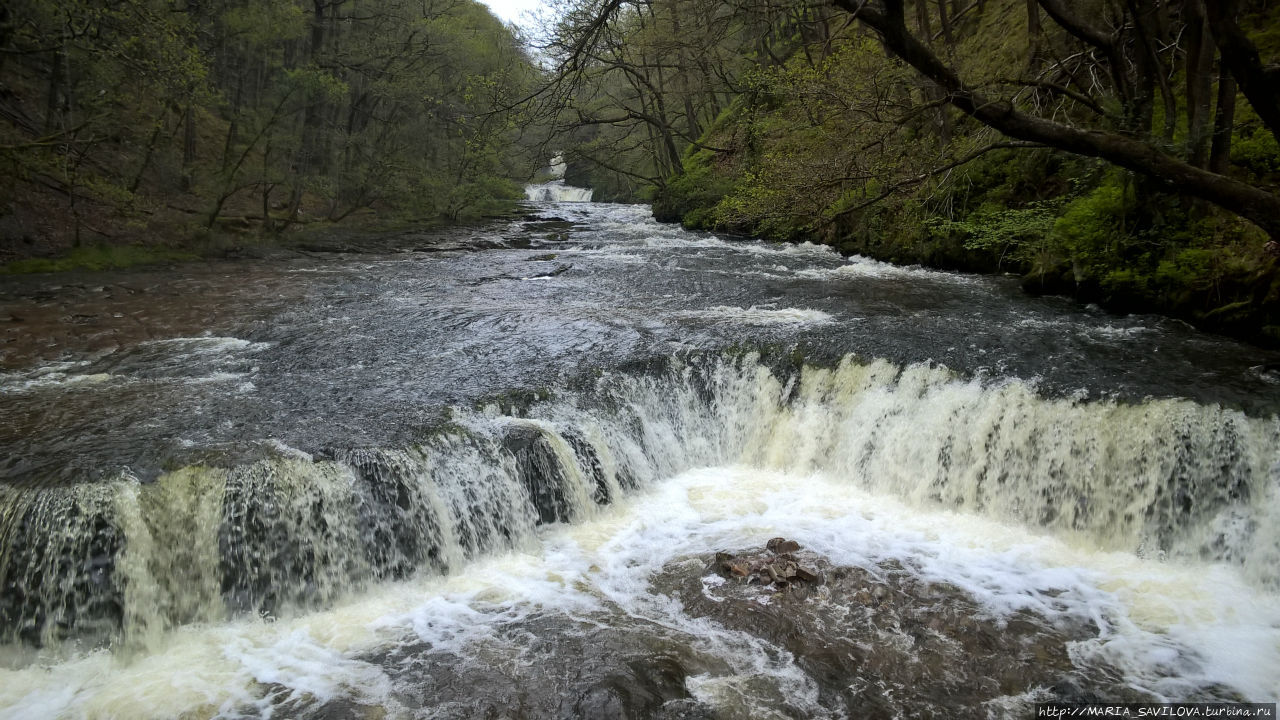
x: 555, y: 190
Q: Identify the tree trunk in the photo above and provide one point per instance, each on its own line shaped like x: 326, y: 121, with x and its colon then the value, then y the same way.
x: 1034, y: 39
x: 664, y: 122
x: 56, y: 101
x: 304, y: 161
x: 1223, y: 120
x: 945, y: 21
x: 686, y: 89
x: 942, y: 121
x: 1261, y: 86
x: 1199, y: 72
x: 188, y: 146
x: 6, y: 31
x: 146, y: 156
x: 922, y: 21
x: 267, y: 224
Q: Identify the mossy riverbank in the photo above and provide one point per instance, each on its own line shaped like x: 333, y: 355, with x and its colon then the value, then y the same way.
x: 1066, y: 225
x: 363, y: 234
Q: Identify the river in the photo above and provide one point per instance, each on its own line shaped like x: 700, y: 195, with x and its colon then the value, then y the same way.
x: 486, y: 474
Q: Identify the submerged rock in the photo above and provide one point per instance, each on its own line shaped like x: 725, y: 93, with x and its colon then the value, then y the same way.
x: 544, y: 667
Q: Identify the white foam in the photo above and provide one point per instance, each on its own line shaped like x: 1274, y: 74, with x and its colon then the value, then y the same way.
x: 760, y: 315
x: 859, y: 266
x: 217, y: 377
x: 1112, y: 332
x: 209, y: 344
x: 51, y: 376
x: 164, y: 353
x: 287, y: 450
x: 557, y: 191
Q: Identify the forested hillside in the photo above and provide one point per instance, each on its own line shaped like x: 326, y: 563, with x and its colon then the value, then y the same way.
x: 127, y: 123
x: 1121, y: 152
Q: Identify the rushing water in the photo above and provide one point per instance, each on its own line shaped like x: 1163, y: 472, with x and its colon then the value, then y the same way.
x: 482, y: 476
x: 555, y: 190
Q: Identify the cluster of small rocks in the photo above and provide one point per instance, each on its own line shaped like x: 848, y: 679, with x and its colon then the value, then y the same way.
x: 776, y: 567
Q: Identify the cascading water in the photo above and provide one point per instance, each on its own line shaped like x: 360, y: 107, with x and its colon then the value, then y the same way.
x: 987, y: 541
x: 203, y: 544
x: 555, y: 190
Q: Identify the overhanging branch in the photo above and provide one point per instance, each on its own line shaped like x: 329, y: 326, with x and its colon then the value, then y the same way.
x: 1255, y: 204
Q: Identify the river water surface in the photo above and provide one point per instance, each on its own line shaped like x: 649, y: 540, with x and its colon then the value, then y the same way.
x: 485, y: 474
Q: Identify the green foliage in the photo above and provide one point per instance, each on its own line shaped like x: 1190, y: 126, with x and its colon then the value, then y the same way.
x: 827, y: 138
x: 482, y: 197
x: 262, y: 25
x: 1257, y: 151
x: 661, y: 76
x: 1092, y: 227
x: 98, y: 257
x: 995, y: 229
x: 315, y: 85
x: 691, y: 196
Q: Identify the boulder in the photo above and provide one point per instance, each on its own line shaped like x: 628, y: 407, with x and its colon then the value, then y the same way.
x: 780, y: 546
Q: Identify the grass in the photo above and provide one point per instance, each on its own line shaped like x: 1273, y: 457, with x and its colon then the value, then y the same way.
x: 98, y: 257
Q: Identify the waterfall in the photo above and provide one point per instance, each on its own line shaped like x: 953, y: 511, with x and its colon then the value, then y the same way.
x: 127, y: 559
x: 555, y: 190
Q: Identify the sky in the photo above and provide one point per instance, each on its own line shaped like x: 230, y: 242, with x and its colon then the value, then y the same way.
x: 511, y: 10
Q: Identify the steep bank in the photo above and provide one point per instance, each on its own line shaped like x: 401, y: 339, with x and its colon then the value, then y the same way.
x: 1089, y: 239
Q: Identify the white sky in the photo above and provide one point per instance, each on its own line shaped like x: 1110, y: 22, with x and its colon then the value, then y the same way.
x: 512, y: 10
